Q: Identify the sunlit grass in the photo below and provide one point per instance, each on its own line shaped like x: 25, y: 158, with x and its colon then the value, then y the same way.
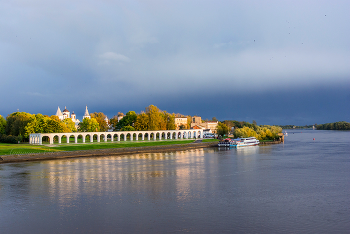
x: 6, y: 149
x: 210, y: 140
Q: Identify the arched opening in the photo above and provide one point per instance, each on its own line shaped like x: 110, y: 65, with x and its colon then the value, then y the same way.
x: 87, y: 138
x: 55, y: 139
x: 63, y: 139
x: 109, y: 137
x: 103, y: 137
x: 122, y: 137
x: 94, y: 138
x: 71, y: 138
x: 116, y: 137
x: 45, y: 140
x: 80, y: 138
x: 129, y: 137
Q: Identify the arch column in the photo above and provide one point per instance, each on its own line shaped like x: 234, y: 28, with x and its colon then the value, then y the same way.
x: 84, y: 138
x: 143, y: 136
x: 124, y: 136
x: 91, y: 138
x: 75, y: 139
x: 98, y: 138
x: 105, y: 136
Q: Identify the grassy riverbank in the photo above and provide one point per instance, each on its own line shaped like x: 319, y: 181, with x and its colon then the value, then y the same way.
x: 9, y: 149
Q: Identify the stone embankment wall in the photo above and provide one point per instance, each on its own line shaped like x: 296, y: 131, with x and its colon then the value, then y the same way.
x: 101, y: 152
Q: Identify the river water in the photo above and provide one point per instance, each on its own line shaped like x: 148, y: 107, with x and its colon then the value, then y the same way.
x: 301, y: 186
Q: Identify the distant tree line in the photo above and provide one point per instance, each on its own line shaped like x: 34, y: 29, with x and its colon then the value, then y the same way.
x: 295, y: 127
x: 334, y: 126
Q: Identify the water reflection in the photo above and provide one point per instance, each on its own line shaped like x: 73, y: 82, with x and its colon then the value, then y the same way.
x: 246, y: 151
x: 66, y: 180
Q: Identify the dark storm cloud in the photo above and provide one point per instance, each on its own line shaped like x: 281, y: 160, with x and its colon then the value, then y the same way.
x: 125, y: 55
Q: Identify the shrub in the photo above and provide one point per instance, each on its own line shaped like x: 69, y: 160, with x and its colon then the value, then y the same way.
x: 10, y: 139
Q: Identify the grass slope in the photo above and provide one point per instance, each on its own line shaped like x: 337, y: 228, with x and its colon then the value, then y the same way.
x: 6, y: 149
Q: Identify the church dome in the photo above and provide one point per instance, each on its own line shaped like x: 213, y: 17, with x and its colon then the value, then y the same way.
x: 65, y: 109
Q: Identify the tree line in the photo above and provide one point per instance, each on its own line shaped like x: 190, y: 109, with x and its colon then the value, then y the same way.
x: 242, y: 129
x: 342, y: 125
x: 19, y: 125
x: 152, y: 119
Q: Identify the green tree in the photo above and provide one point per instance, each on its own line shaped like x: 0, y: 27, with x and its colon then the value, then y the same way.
x: 182, y: 127
x: 89, y: 125
x: 2, y: 125
x: 128, y: 128
x: 154, y: 117
x: 245, y: 132
x: 128, y: 120
x: 16, y: 123
x: 54, y: 124
x: 113, y: 122
x: 36, y: 124
x: 170, y: 118
x: 222, y: 129
x: 101, y: 119
x: 70, y: 125
x: 141, y: 123
x: 189, y: 121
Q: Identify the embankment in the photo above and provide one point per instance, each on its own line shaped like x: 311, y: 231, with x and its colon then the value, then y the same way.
x: 102, y: 152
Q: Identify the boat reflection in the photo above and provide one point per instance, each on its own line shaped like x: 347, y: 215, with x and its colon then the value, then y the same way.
x: 249, y: 150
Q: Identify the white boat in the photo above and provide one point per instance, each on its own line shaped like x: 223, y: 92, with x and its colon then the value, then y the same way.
x: 250, y: 141
x: 239, y: 142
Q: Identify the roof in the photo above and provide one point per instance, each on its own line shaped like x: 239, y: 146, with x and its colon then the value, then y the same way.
x: 86, y: 112
x: 59, y: 113
x: 196, y: 127
x: 65, y: 109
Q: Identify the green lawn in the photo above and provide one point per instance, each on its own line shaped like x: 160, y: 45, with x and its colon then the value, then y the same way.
x: 27, y: 148
x: 210, y: 140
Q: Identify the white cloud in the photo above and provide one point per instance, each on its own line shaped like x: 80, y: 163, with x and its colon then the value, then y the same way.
x: 111, y: 56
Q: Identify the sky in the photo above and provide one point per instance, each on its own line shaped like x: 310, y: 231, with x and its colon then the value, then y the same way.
x: 275, y: 62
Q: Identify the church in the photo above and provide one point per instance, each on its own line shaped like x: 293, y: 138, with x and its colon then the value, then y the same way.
x: 65, y: 114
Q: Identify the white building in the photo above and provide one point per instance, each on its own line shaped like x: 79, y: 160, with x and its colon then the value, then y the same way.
x: 86, y: 114
x: 66, y: 114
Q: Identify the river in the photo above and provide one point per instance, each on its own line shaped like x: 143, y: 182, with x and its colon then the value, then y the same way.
x: 300, y: 186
